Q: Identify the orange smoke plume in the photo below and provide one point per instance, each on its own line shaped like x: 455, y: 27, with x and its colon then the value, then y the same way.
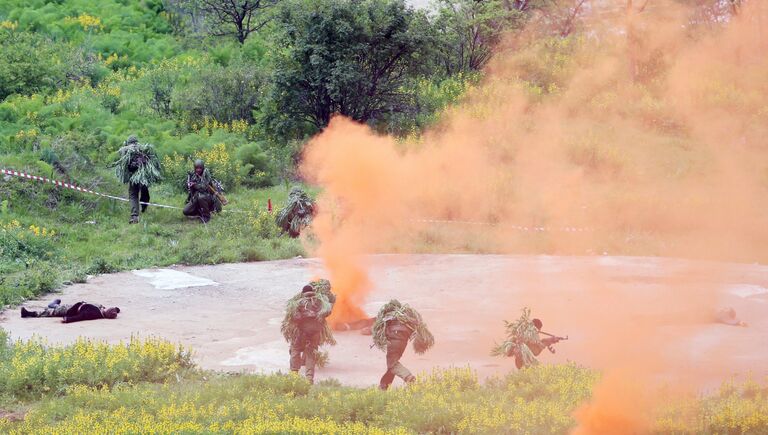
x: 358, y: 172
x: 656, y: 143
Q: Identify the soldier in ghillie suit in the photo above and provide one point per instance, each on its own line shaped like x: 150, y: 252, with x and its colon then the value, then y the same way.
x: 201, y: 201
x: 305, y: 328
x: 73, y: 313
x: 523, y: 341
x: 139, y: 167
x: 395, y: 325
x: 297, y: 213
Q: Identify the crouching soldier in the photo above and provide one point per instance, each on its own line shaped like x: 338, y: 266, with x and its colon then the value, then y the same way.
x: 201, y: 200
x: 73, y: 313
x: 524, y: 342
x: 395, y: 325
x: 305, y: 328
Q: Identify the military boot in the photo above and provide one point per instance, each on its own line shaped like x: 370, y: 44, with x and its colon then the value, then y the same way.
x: 26, y: 313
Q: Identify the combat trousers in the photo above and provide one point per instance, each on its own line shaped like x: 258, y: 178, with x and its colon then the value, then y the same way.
x: 57, y: 311
x: 303, y: 351
x: 134, y: 191
x: 201, y: 205
x: 395, y: 350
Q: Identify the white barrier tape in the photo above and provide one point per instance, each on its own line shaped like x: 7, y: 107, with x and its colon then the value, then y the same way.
x: 81, y: 189
x: 434, y: 221
x: 514, y: 227
x: 77, y: 188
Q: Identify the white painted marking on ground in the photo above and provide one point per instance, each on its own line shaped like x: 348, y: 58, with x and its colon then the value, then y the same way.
x: 747, y: 290
x: 275, y: 321
x: 271, y: 355
x: 167, y: 279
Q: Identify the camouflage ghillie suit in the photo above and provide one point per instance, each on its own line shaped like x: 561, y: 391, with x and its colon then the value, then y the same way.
x: 139, y: 167
x: 305, y: 328
x: 395, y: 325
x: 523, y: 341
x: 200, y: 201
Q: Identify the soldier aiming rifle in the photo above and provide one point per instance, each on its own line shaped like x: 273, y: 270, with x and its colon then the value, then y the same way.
x: 524, y: 342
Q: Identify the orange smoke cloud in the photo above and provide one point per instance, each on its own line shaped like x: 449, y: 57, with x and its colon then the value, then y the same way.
x: 672, y: 162
x: 617, y: 407
x: 358, y: 172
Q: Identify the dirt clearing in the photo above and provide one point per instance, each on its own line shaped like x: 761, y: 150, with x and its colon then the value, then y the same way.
x: 230, y: 314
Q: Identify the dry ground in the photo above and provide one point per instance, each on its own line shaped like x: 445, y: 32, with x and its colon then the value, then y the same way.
x: 230, y: 314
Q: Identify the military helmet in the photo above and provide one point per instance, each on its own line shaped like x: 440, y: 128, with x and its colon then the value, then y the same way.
x: 199, y: 164
x: 537, y: 323
x: 132, y: 139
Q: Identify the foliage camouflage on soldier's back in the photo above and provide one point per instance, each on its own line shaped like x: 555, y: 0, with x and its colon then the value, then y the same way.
x: 138, y: 164
x: 297, y: 213
x: 423, y: 340
x: 290, y: 330
x: 520, y: 334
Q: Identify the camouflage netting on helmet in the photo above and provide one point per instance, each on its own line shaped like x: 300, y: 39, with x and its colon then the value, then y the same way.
x: 323, y: 287
x: 138, y: 164
x: 290, y: 329
x: 423, y: 340
x: 521, y: 334
x: 297, y: 213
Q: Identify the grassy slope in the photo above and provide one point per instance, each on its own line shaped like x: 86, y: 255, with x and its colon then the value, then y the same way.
x: 93, y: 235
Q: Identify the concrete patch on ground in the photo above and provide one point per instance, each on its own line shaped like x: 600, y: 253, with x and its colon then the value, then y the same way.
x: 168, y: 279
x: 747, y: 290
x: 267, y: 356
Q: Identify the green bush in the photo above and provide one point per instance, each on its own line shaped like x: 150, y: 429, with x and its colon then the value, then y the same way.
x: 31, y: 63
x: 101, y: 265
x: 40, y: 277
x: 256, y: 163
x: 32, y: 368
x: 223, y: 93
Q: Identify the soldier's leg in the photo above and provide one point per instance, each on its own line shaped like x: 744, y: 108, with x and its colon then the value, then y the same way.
x: 48, y: 312
x: 395, y: 349
x: 190, y: 209
x: 144, y: 198
x: 310, y: 350
x: 403, y: 373
x: 297, y: 347
x: 27, y: 313
x: 133, y: 195
x: 397, y: 367
x: 205, y: 206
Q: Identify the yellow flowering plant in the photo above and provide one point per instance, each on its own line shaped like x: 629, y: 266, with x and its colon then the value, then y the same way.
x: 34, y: 367
x: 86, y: 22
x: 18, y: 242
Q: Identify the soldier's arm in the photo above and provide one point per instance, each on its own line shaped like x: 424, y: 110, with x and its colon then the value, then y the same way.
x: 536, y: 348
x: 549, y: 341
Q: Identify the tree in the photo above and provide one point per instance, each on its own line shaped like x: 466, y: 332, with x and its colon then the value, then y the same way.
x: 470, y: 29
x: 30, y: 63
x: 236, y: 17
x: 345, y: 56
x: 224, y: 93
x: 562, y: 17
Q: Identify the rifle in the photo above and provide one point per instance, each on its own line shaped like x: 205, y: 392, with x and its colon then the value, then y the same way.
x: 218, y: 195
x: 210, y: 188
x: 550, y: 348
